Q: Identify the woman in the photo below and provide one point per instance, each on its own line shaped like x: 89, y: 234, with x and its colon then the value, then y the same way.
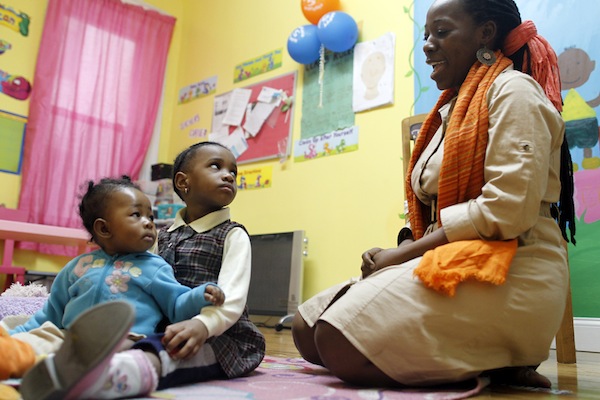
x: 483, y: 178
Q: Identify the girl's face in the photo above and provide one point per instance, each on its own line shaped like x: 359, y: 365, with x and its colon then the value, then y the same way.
x: 451, y: 43
x: 128, y: 226
x: 210, y: 179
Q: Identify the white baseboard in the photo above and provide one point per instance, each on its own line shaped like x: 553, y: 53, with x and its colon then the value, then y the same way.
x: 585, y: 338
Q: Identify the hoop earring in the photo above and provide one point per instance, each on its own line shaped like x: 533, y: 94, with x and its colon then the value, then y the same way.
x: 486, y: 56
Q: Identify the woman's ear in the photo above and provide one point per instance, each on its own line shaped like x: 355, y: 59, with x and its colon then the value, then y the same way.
x: 101, y: 229
x: 181, y: 181
x: 488, y: 34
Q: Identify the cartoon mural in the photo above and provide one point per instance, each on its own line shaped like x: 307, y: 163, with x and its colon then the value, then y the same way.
x: 581, y: 122
x: 572, y: 29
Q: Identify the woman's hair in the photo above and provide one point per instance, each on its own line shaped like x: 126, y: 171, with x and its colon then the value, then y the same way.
x: 544, y: 70
x: 182, y: 161
x: 507, y: 17
x: 94, y: 202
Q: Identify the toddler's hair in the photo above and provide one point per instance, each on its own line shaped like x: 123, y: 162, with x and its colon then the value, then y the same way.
x: 94, y: 202
x: 182, y: 160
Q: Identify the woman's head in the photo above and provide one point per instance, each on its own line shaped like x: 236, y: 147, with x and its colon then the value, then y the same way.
x: 204, y: 176
x: 118, y: 216
x: 456, y: 29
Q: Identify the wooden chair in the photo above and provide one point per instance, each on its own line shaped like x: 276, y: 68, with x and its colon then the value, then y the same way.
x: 565, y: 337
x: 13, y: 273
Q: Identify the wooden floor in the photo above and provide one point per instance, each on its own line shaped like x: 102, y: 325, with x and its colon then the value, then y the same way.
x: 582, y: 378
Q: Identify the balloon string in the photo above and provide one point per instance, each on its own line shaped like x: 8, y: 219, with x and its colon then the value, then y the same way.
x: 321, y: 74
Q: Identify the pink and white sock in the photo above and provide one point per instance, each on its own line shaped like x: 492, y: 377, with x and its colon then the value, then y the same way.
x: 129, y: 374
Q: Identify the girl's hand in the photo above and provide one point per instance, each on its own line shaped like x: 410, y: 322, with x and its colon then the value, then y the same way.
x: 214, y: 294
x: 183, y: 339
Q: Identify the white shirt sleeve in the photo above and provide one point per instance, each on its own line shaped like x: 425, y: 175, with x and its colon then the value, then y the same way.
x: 234, y: 280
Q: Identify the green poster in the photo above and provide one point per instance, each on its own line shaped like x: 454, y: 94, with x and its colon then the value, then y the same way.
x: 12, y: 135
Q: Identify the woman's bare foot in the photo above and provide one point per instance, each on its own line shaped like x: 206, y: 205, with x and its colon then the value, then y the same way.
x: 519, y: 376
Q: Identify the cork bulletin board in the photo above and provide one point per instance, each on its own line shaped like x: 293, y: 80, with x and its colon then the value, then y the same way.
x: 273, y: 140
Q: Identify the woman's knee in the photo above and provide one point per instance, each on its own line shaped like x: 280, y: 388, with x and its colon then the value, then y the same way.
x: 336, y: 352
x: 345, y: 361
x: 304, y: 340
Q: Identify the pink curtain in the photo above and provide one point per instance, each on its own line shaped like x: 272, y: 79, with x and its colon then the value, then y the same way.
x: 93, y: 106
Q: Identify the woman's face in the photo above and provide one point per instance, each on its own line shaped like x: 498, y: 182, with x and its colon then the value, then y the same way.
x: 451, y: 42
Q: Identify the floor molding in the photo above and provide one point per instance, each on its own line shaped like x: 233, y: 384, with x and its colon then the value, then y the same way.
x: 585, y: 338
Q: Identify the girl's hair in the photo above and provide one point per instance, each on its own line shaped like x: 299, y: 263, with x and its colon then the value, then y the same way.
x: 182, y: 161
x: 507, y: 17
x: 94, y: 202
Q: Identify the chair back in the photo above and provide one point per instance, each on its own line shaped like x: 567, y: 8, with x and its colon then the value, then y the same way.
x: 410, y: 129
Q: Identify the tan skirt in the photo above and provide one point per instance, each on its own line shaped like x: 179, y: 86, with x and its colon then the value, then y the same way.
x: 420, y: 337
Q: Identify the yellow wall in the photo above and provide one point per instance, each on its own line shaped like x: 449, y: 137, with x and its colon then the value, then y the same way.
x: 347, y: 203
x: 19, y: 60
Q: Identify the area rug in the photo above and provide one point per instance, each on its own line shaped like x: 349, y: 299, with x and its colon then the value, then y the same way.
x: 293, y: 378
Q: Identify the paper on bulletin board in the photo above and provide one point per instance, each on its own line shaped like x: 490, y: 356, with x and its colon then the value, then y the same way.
x: 328, y: 144
x: 12, y: 137
x: 336, y: 111
x: 374, y: 73
x: 267, y: 128
x: 255, y: 178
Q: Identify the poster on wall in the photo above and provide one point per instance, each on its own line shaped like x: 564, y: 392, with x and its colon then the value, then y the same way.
x: 255, y: 178
x: 12, y: 137
x: 16, y: 20
x: 571, y: 27
x: 197, y: 90
x: 258, y: 65
x: 327, y: 103
x: 373, y: 80
x: 14, y: 86
x: 328, y: 144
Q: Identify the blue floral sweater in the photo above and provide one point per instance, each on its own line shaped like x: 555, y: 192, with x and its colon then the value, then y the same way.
x: 143, y: 279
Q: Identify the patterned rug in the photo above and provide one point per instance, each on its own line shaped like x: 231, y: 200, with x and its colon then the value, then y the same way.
x: 293, y: 378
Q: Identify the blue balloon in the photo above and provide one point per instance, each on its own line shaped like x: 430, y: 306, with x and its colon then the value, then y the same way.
x: 304, y: 45
x: 337, y: 31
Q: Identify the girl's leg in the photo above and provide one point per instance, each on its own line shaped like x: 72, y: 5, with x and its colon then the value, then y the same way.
x: 345, y: 361
x: 202, y: 366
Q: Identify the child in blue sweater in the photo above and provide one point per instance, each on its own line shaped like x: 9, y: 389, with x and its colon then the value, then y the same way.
x: 120, y: 219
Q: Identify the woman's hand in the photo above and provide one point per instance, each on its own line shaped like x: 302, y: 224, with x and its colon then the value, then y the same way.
x: 183, y: 339
x: 368, y: 264
x: 376, y: 259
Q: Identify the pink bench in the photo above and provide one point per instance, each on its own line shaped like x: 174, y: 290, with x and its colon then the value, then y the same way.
x: 13, y: 228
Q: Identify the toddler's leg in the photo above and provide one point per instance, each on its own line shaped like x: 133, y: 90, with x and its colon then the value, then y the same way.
x: 89, y: 344
x: 17, y: 356
x: 130, y: 373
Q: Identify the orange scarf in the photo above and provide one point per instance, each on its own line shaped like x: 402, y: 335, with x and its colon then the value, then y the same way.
x: 444, y: 267
x: 461, y: 179
x: 465, y: 142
